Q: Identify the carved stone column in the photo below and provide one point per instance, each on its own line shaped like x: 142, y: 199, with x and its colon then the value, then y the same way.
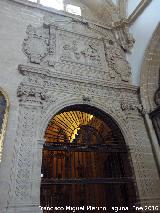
x: 25, y: 176
x: 142, y: 156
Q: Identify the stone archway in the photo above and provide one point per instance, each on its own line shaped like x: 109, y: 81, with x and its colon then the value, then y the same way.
x: 149, y: 84
x: 150, y: 71
x: 48, y: 172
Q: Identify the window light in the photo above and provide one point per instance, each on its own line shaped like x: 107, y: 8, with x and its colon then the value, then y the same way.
x: 35, y: 1
x: 73, y: 9
x: 57, y: 4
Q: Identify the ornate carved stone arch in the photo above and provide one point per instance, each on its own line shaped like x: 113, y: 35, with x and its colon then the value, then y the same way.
x: 150, y: 71
x: 4, y: 110
x: 117, y: 116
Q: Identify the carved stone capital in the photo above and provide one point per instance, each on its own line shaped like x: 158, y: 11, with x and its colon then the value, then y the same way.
x: 125, y: 38
x: 126, y: 106
x: 31, y: 94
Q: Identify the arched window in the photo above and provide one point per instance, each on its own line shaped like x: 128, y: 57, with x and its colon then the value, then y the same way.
x: 4, y: 108
x: 73, y: 9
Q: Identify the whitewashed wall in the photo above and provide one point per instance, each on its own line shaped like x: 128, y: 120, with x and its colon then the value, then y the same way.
x: 142, y: 31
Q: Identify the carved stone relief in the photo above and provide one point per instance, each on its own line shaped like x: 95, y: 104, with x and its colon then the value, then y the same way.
x: 60, y: 47
x: 64, y: 64
x: 35, y: 46
x: 79, y: 50
x: 117, y: 62
x: 42, y: 88
x: 125, y: 38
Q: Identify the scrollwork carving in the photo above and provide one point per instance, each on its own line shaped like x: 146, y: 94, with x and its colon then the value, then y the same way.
x: 125, y: 38
x: 31, y: 94
x: 80, y: 50
x: 129, y: 106
x: 35, y: 46
x: 117, y: 62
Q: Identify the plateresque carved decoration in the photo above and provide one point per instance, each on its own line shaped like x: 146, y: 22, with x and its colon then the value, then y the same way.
x: 31, y: 94
x: 80, y: 50
x: 125, y: 106
x: 35, y: 46
x: 83, y: 54
x: 125, y: 38
x: 117, y: 62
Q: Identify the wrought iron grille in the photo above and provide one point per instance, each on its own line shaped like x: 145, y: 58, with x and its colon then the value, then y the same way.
x: 86, y: 162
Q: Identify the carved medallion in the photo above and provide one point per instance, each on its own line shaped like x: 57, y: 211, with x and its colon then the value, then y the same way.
x: 35, y: 46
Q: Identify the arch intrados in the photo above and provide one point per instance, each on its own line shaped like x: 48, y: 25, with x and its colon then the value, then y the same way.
x: 53, y: 109
x: 92, y: 110
x: 99, y: 113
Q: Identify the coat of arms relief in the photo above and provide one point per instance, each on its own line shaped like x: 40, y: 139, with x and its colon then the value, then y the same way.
x: 77, y: 49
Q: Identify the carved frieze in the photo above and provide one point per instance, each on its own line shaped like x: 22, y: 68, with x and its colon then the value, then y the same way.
x: 80, y: 49
x: 96, y: 55
x: 38, y: 81
x: 28, y: 93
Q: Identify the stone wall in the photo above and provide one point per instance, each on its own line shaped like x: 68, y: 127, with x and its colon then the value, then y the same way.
x: 50, y: 61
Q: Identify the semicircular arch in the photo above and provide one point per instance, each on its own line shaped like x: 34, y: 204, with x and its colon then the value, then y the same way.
x: 150, y: 71
x: 117, y: 115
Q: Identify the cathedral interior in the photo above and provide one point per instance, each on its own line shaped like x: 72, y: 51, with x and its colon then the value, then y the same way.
x: 79, y: 106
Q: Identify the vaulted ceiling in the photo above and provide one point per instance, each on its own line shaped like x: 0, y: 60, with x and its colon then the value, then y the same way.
x: 104, y: 10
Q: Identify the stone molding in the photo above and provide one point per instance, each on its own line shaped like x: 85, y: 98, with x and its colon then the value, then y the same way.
x: 138, y: 11
x: 150, y: 72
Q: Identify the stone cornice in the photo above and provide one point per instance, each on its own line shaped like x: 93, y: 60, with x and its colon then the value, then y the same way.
x: 25, y: 69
